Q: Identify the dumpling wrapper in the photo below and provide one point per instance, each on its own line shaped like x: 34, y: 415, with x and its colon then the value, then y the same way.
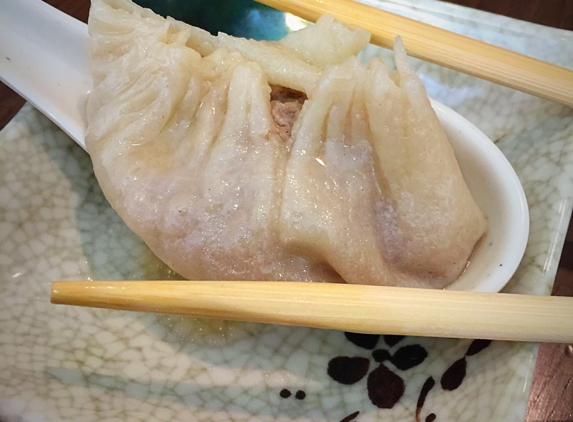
x: 184, y: 145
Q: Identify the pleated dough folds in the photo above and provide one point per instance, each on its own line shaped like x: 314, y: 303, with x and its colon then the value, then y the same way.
x: 187, y: 149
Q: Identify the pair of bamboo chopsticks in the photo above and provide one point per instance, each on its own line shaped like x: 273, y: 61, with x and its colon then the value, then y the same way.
x: 366, y: 309
x: 443, y: 47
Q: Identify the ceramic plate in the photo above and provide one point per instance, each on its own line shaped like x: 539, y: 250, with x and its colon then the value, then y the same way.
x: 68, y: 364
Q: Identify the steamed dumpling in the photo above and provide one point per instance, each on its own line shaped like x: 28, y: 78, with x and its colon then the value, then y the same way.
x: 238, y: 159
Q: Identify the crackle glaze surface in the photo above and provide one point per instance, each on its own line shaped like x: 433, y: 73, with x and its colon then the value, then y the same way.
x: 65, y: 363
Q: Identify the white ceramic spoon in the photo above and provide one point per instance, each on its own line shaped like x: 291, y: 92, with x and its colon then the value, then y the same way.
x: 43, y: 58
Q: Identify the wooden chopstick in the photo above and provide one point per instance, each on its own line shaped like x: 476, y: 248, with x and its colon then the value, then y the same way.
x: 443, y: 47
x: 365, y: 309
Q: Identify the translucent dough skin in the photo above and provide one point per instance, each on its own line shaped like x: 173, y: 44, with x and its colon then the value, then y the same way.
x: 330, y: 192
x: 366, y: 190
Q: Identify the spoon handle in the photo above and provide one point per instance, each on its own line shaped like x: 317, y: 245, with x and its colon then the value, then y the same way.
x: 366, y: 309
x: 43, y: 58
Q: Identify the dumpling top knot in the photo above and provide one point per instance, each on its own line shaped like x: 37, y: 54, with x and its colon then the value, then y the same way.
x: 249, y: 160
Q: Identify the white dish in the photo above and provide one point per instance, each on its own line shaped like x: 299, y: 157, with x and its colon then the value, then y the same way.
x: 63, y: 363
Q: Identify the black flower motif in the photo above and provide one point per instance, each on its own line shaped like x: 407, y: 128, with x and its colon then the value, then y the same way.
x: 451, y: 379
x: 384, y: 386
x: 347, y: 370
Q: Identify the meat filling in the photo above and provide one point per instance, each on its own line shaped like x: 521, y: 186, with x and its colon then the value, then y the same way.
x: 285, y: 105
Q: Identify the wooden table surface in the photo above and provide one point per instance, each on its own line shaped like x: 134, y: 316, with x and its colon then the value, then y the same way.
x: 551, y: 398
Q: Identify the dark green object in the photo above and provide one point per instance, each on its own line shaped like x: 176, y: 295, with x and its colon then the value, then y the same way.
x: 240, y: 18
